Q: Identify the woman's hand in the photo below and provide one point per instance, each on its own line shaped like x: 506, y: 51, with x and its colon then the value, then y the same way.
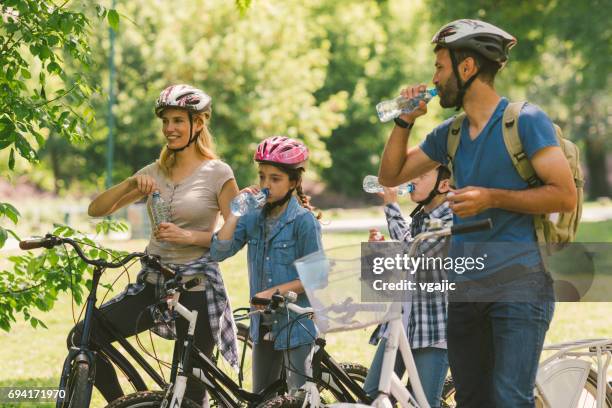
x: 169, y: 232
x: 143, y: 183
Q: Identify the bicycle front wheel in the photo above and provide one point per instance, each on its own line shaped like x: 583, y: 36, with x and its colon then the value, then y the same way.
x: 77, y: 389
x: 147, y: 399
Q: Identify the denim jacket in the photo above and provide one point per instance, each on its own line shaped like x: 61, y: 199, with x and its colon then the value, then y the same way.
x: 270, y: 261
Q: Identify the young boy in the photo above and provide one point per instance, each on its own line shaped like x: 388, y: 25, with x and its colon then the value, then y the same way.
x: 426, y: 323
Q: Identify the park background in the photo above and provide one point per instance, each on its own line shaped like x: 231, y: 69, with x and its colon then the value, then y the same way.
x: 78, y: 81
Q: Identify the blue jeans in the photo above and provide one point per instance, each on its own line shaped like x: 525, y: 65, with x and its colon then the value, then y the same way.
x: 431, y: 364
x: 494, y: 350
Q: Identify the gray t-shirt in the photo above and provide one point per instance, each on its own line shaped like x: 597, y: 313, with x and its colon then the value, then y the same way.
x: 194, y: 205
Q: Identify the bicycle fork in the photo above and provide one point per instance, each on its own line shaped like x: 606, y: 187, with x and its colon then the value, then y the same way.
x: 82, y: 354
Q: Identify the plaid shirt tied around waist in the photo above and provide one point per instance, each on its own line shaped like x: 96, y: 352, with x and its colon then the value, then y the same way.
x: 219, y: 307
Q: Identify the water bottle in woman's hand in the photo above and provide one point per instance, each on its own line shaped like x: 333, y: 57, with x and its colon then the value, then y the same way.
x: 245, y: 202
x: 160, y: 210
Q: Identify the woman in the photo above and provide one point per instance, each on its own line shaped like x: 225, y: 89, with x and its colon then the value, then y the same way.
x: 196, y: 185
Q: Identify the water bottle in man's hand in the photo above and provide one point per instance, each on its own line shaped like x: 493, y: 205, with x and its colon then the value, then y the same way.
x: 392, y: 108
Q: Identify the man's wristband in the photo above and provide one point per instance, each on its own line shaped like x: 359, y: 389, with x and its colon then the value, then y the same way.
x: 403, y: 124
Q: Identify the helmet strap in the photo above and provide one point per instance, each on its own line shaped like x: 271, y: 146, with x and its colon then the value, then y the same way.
x: 270, y: 206
x: 462, y: 86
x: 192, y: 137
x: 432, y: 194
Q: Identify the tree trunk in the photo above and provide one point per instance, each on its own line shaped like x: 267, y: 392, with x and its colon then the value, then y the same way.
x: 595, y: 155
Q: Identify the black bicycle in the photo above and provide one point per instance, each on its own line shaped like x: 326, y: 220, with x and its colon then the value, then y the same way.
x: 222, y: 389
x: 79, y: 366
x: 330, y: 382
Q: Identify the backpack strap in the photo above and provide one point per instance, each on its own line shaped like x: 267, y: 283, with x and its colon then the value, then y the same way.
x: 452, y: 143
x: 513, y: 143
x: 522, y: 164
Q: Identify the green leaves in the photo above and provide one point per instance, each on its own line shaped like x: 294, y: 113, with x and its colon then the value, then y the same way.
x: 113, y: 19
x: 33, y: 282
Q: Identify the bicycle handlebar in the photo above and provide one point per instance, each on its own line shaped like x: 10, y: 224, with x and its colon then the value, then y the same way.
x: 49, y: 241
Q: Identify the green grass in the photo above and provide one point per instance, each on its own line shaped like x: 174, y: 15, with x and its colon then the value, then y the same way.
x: 33, y: 357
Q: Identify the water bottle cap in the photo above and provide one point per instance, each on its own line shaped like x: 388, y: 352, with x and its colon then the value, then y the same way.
x: 156, y: 193
x: 266, y: 191
x: 433, y: 91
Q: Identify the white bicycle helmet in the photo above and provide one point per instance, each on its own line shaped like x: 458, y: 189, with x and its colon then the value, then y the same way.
x: 186, y: 97
x: 490, y: 41
x: 193, y: 100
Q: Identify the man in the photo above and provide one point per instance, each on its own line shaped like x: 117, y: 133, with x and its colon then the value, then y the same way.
x: 493, y: 347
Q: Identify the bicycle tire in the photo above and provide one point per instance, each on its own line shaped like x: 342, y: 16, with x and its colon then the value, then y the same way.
x: 78, y: 389
x: 590, y: 389
x: 147, y: 399
x: 357, y: 372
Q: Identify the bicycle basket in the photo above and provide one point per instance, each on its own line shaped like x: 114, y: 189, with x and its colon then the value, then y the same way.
x: 332, y: 281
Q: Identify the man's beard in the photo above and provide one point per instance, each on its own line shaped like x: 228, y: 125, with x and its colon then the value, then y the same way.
x: 448, y: 93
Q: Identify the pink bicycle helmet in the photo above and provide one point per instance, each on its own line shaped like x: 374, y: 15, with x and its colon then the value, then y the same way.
x: 183, y: 97
x: 282, y: 150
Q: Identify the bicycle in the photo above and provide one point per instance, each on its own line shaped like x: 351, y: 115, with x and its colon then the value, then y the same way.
x: 329, y: 381
x: 223, y: 390
x: 566, y: 379
x: 79, y: 366
x: 319, y: 273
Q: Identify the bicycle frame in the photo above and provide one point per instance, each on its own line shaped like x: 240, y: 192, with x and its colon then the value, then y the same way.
x: 224, y: 390
x: 342, y: 385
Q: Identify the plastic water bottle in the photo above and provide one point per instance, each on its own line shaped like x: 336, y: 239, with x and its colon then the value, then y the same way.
x: 392, y: 108
x: 245, y: 202
x: 372, y: 186
x: 160, y: 210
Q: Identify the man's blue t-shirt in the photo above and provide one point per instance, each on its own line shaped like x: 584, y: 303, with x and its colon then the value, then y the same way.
x: 485, y: 162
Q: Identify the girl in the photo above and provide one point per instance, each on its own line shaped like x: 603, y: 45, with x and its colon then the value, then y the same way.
x: 282, y: 231
x: 196, y: 185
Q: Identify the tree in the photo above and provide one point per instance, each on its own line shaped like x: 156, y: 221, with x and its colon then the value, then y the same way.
x: 38, y: 97
x: 376, y: 47
x: 260, y: 68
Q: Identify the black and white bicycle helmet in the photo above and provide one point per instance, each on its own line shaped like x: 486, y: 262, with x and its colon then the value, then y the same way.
x: 490, y: 41
x: 486, y: 39
x: 193, y: 100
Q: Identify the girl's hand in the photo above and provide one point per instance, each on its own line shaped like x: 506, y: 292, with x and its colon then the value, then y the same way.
x: 266, y: 294
x: 169, y: 232
x: 254, y: 189
x: 143, y: 183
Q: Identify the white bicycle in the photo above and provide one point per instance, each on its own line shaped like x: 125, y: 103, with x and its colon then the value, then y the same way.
x: 328, y: 281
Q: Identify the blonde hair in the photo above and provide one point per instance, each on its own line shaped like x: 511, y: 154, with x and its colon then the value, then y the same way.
x: 204, y: 144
